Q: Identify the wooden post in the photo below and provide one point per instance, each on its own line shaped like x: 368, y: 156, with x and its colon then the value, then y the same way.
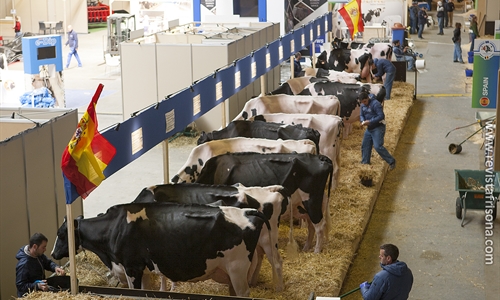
x: 71, y: 247
x: 223, y: 107
x: 263, y: 84
x: 166, y: 177
x: 496, y: 152
x: 292, y: 66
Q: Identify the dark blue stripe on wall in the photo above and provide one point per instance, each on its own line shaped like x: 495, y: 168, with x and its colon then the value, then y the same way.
x: 263, y: 10
x: 197, y: 10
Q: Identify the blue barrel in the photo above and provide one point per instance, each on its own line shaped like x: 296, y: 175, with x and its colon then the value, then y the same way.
x: 398, y: 33
x: 470, y: 57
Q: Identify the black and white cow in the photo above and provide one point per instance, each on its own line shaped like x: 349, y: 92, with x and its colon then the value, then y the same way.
x: 201, y: 153
x: 337, y: 76
x: 354, y: 60
x: 305, y: 175
x: 329, y: 127
x: 294, y: 86
x: 348, y: 96
x: 290, y: 104
x: 270, y: 200
x: 264, y: 130
x: 182, y: 242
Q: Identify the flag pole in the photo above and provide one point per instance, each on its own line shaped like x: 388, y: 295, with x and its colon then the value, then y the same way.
x: 71, y: 246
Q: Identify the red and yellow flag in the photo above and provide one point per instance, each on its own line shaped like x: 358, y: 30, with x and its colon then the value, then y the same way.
x: 86, y: 156
x: 351, y: 13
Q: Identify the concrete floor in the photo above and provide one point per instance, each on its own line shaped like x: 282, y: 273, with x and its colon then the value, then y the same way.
x: 416, y: 211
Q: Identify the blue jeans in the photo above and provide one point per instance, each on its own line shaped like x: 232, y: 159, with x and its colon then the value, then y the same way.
x: 375, y: 138
x: 410, y: 59
x: 457, y: 53
x: 440, y: 24
x: 18, y: 34
x: 472, y: 37
x: 73, y: 51
x: 420, y: 30
x: 389, y: 79
x: 413, y: 26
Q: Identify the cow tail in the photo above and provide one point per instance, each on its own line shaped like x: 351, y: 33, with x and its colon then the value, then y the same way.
x: 274, y: 259
x: 292, y: 246
x: 328, y: 218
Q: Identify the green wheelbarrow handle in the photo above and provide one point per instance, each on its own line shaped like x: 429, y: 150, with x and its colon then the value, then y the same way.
x: 352, y: 291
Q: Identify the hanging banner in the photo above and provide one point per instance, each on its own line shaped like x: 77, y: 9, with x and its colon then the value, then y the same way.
x: 209, y: 4
x: 485, y: 76
x: 298, y: 12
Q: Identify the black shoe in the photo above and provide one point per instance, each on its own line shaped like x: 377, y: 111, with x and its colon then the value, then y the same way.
x: 392, y: 166
x: 455, y: 61
x: 420, y: 37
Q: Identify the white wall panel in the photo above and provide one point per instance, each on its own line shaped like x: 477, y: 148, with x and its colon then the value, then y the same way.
x: 40, y: 181
x: 139, y: 89
x: 206, y: 59
x: 169, y: 58
x: 13, y: 210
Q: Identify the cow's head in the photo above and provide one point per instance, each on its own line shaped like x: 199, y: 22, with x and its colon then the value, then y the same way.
x: 321, y: 61
x: 336, y: 43
x: 203, y: 138
x: 61, y: 248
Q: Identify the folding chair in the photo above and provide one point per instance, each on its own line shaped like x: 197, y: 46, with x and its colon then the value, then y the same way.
x: 42, y: 27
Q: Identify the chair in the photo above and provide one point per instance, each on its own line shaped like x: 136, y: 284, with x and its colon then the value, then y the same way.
x: 59, y: 27
x: 111, y: 61
x: 42, y: 27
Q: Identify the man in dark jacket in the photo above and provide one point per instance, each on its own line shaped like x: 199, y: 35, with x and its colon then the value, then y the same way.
x: 387, y: 68
x: 422, y: 20
x: 31, y: 266
x: 393, y: 282
x: 372, y: 116
x: 413, y: 12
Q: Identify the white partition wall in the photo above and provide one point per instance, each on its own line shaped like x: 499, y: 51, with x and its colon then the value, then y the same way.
x: 174, y: 68
x: 152, y: 71
x: 139, y: 79
x: 31, y: 190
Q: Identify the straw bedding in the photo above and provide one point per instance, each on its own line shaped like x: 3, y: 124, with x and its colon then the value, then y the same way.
x: 350, y: 208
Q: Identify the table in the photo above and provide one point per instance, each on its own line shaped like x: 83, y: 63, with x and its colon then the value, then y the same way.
x: 50, y: 25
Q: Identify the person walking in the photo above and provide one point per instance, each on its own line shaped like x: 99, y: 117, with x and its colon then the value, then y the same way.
x: 450, y: 7
x: 73, y: 46
x: 413, y: 12
x: 31, y: 266
x: 17, y: 27
x: 440, y: 16
x: 387, y: 68
x: 393, y: 282
x: 422, y: 21
x: 473, y: 32
x: 457, y: 41
x: 372, y: 116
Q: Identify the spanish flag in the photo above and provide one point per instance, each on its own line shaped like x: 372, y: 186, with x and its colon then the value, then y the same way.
x: 86, y: 156
x: 351, y: 13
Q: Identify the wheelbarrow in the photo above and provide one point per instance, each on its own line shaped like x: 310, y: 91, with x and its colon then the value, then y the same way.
x: 472, y: 187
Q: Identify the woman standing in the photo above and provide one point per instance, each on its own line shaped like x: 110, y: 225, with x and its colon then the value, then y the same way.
x: 457, y: 40
x: 473, y: 33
